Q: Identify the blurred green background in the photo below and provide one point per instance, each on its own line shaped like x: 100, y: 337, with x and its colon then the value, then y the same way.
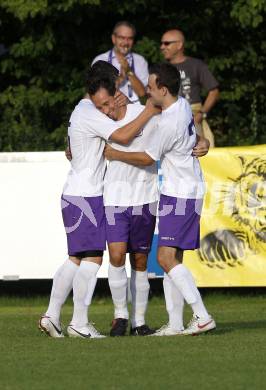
x: 46, y: 47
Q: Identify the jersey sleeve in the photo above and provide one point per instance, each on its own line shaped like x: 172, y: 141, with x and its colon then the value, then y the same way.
x: 100, y: 125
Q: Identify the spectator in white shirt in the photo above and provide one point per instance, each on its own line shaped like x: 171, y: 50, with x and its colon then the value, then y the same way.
x: 133, y: 68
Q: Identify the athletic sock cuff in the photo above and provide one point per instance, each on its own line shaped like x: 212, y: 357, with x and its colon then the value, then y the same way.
x: 117, y: 270
x: 89, y: 266
x: 70, y: 264
x: 139, y: 274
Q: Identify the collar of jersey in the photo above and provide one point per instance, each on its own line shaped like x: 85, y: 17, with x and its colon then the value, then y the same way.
x: 86, y: 100
x: 171, y: 108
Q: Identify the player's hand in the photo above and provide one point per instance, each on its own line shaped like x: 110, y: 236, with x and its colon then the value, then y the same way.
x: 120, y: 99
x: 151, y: 108
x: 202, y: 147
x: 68, y: 154
x: 109, y: 152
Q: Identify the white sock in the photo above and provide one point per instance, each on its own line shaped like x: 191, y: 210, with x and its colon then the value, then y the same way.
x: 83, y: 288
x: 139, y: 287
x: 62, y: 285
x: 117, y: 278
x: 174, y: 301
x: 184, y: 281
x: 198, y: 307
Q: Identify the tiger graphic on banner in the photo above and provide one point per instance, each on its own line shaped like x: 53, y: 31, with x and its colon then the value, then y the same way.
x: 233, y: 220
x: 246, y: 198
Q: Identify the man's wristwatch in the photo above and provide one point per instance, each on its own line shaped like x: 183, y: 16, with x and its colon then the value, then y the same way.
x: 204, y: 114
x: 130, y: 73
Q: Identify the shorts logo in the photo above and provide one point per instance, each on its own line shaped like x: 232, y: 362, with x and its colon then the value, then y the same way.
x: 167, y: 238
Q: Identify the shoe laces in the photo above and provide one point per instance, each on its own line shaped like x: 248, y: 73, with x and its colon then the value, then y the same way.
x: 93, y: 330
x: 192, y: 322
x: 165, y: 326
x: 59, y: 324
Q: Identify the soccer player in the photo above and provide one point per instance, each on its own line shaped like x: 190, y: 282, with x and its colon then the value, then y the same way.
x: 181, y: 196
x: 83, y: 210
x: 130, y: 198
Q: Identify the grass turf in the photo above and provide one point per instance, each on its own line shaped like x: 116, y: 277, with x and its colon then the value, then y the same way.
x: 232, y: 357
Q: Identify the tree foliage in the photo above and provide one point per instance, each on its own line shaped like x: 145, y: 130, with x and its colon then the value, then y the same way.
x: 51, y: 43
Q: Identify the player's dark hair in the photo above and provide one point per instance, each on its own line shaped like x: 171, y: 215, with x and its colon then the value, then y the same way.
x: 125, y: 23
x: 168, y: 76
x: 95, y: 83
x: 104, y: 68
x: 101, y: 75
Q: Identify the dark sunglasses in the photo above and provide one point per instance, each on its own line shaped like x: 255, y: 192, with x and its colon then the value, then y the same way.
x: 167, y: 43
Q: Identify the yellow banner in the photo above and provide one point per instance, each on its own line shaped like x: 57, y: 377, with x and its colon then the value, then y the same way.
x: 233, y: 223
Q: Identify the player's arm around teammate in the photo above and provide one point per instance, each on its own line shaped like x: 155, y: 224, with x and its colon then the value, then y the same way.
x: 83, y: 208
x: 143, y: 159
x: 181, y: 197
x: 129, y: 193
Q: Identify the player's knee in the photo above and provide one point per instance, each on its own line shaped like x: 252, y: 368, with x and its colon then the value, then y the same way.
x: 166, y: 260
x: 139, y: 267
x: 139, y: 262
x: 75, y: 260
x: 162, y: 261
x: 179, y: 256
x: 117, y: 259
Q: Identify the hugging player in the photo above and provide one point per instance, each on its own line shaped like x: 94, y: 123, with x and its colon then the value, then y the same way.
x: 182, y: 193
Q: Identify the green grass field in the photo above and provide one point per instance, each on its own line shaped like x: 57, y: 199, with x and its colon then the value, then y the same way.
x: 232, y: 357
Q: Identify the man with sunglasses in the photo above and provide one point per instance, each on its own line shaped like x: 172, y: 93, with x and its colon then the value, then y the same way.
x: 195, y: 76
x: 133, y: 68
